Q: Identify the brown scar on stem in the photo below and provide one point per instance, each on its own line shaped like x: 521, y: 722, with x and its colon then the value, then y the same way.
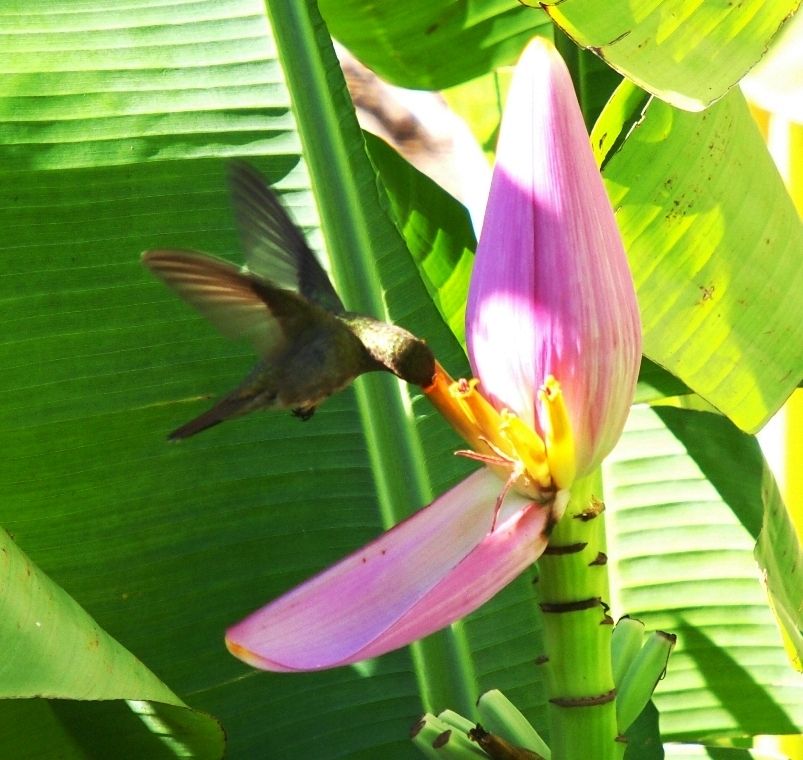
x: 498, y: 748
x: 590, y: 701
x: 415, y: 729
x: 566, y: 548
x: 577, y: 606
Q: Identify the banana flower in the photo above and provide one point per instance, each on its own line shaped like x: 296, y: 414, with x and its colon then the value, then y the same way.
x: 554, y: 341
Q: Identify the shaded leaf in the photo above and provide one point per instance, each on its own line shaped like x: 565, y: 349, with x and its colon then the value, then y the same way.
x: 436, y: 229
x: 115, y: 728
x: 429, y: 45
x: 644, y: 736
x: 165, y: 545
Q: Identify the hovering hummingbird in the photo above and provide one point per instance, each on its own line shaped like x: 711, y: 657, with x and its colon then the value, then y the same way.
x: 283, y: 303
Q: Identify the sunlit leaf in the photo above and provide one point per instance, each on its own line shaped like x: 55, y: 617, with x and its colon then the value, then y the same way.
x: 685, y: 493
x: 702, y: 752
x: 689, y: 53
x: 712, y: 238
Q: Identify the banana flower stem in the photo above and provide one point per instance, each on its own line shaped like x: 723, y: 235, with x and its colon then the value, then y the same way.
x: 573, y: 587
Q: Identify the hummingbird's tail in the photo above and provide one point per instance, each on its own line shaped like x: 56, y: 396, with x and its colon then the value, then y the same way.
x: 230, y: 406
x: 204, y: 421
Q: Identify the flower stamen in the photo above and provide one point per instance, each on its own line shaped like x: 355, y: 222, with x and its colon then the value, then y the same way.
x: 486, y: 418
x: 558, y: 436
x: 491, y: 461
x: 500, y: 440
x: 450, y: 405
x: 497, y: 459
x: 528, y: 446
x: 515, y: 474
x: 515, y: 466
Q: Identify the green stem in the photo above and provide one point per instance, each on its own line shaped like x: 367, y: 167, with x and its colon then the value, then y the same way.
x: 573, y: 584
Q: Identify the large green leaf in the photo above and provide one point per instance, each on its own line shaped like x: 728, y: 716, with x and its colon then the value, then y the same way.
x: 686, y: 52
x: 433, y: 44
x: 84, y: 692
x: 685, y: 493
x: 713, y: 241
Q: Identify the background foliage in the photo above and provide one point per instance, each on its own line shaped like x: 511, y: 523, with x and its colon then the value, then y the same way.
x: 125, y: 557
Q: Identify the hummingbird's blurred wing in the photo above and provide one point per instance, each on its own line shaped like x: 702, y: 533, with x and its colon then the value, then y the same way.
x: 275, y: 249
x: 240, y: 306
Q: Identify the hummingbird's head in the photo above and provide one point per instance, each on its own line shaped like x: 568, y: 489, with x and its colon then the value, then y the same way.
x: 413, y: 361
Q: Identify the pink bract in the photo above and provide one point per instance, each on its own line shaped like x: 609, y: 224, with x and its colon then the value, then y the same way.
x: 425, y: 573
x: 551, y: 292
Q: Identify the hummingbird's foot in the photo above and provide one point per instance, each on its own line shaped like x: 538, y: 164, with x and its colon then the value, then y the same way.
x: 304, y: 412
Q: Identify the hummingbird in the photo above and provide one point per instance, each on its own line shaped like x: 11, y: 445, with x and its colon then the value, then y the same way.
x: 283, y: 303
